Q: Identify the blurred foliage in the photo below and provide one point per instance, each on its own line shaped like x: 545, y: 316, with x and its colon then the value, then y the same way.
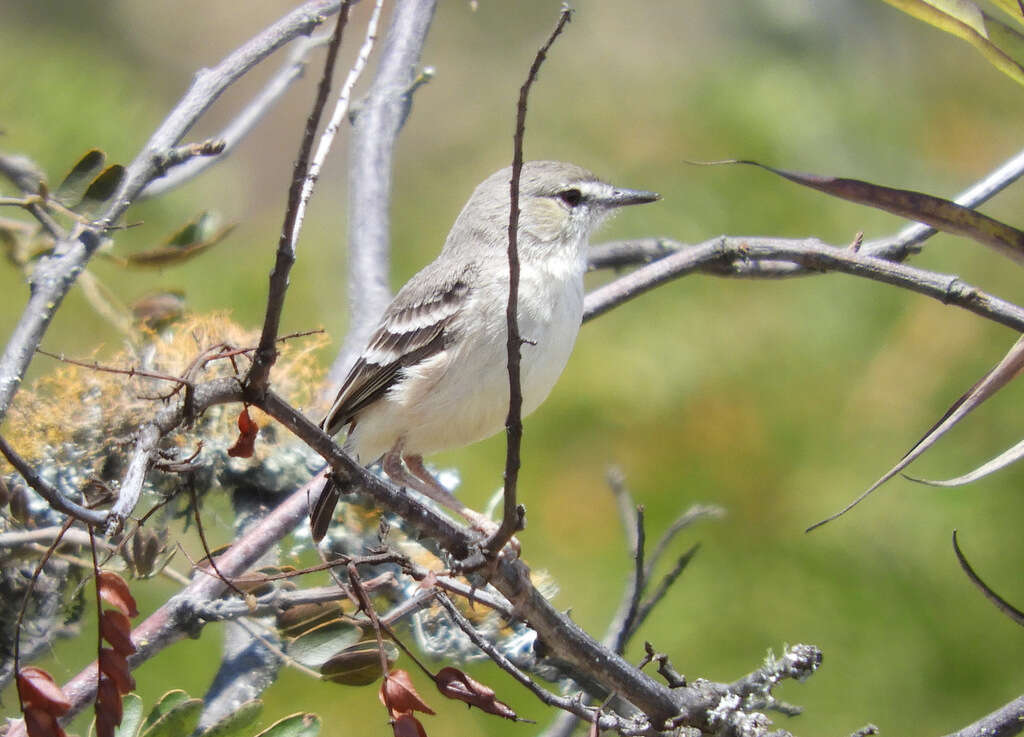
x: 778, y: 400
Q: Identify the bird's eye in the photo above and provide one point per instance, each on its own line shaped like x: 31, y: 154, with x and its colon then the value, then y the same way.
x: 571, y: 197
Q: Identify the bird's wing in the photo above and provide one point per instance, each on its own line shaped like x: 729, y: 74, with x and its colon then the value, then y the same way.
x: 414, y: 327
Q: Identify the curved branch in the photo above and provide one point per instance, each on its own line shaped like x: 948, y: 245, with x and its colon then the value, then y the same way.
x: 775, y: 257
x: 243, y: 123
x: 1003, y: 722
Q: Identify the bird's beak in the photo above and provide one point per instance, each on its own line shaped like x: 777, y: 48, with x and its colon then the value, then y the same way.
x: 620, y: 197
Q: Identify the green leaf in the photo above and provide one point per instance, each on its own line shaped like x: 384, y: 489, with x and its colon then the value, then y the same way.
x: 100, y: 191
x: 315, y: 646
x: 166, y: 702
x: 296, y: 725
x: 359, y: 665
x: 1007, y: 38
x: 941, y: 214
x: 131, y: 718
x: 71, y: 190
x: 1011, y: 8
x: 234, y: 723
x: 965, y: 20
x: 196, y: 236
x: 176, y: 714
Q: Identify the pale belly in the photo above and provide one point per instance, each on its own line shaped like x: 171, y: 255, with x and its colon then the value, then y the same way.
x: 461, y: 395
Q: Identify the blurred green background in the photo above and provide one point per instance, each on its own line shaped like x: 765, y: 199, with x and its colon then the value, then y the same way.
x: 780, y: 401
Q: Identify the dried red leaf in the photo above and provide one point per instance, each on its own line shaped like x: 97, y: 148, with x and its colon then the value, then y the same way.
x: 40, y: 723
x: 406, y: 725
x: 399, y: 696
x: 247, y: 430
x: 117, y: 630
x: 455, y: 684
x: 105, y: 726
x: 108, y: 701
x: 116, y: 667
x: 114, y: 590
x: 38, y: 690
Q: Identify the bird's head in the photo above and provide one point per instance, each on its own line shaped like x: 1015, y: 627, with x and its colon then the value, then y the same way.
x: 560, y: 204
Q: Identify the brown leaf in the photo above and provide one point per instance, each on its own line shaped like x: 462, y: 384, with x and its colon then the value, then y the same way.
x: 358, y: 665
x: 146, y: 546
x: 116, y: 667
x: 109, y: 706
x: 1011, y: 365
x: 117, y: 630
x: 247, y: 430
x: 159, y: 309
x: 304, y: 617
x: 322, y: 514
x: 105, y: 726
x: 399, y: 696
x: 39, y: 723
x: 941, y: 214
x: 114, y: 590
x: 455, y: 684
x: 37, y: 689
x: 195, y: 237
x: 406, y: 725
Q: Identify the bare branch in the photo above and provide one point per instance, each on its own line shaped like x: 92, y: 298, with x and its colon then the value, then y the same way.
x: 734, y: 255
x: 340, y: 109
x: 236, y: 131
x: 1003, y: 722
x: 55, y: 499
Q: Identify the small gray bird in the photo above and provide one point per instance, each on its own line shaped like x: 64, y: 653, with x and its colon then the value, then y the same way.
x: 434, y: 375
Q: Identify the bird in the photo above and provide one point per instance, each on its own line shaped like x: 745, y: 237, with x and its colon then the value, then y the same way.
x: 434, y: 374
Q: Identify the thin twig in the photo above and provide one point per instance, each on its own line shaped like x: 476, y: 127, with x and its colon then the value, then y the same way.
x: 331, y: 130
x: 43, y: 559
x: 130, y: 372
x: 636, y: 585
x: 694, y: 514
x: 240, y: 126
x: 605, y: 721
x: 655, y: 598
x: 513, y: 515
x: 266, y: 354
x: 382, y: 113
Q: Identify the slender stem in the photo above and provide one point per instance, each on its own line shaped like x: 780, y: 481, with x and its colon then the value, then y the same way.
x: 266, y: 354
x: 513, y: 517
